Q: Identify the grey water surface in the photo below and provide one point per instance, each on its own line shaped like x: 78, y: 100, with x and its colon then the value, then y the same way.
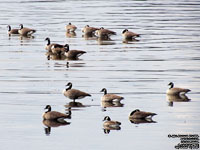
x: 168, y: 50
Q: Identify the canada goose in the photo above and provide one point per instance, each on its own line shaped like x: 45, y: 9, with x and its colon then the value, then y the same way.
x: 70, y: 27
x: 110, y: 124
x: 49, y: 45
x: 54, y: 115
x: 110, y: 97
x: 58, y: 49
x: 137, y: 114
x: 87, y: 30
x: 74, y: 93
x: 12, y: 31
x: 176, y: 91
x: 25, y: 31
x: 105, y: 33
x: 129, y: 35
x: 73, y: 54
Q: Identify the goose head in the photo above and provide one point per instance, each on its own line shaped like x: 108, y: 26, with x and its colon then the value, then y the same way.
x: 106, y: 118
x: 104, y: 90
x: 48, y: 107
x: 137, y: 110
x: 125, y: 30
x: 171, y: 84
x: 21, y: 26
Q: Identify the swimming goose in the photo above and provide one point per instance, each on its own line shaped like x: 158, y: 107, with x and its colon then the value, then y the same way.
x: 25, y: 31
x: 49, y: 45
x: 110, y: 97
x: 129, y: 35
x: 175, y: 90
x: 110, y: 124
x: 58, y: 49
x: 70, y: 27
x: 74, y: 93
x: 137, y: 114
x: 87, y: 30
x: 54, y: 115
x: 73, y: 54
x: 12, y: 31
x: 104, y: 33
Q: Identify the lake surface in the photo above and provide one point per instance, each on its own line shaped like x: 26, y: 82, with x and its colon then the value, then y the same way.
x: 168, y: 50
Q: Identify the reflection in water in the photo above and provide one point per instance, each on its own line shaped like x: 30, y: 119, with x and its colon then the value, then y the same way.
x: 130, y: 41
x: 111, y: 104
x: 53, y: 123
x: 103, y: 41
x: 138, y: 121
x: 74, y: 104
x: 89, y: 37
x: 176, y: 98
x: 70, y: 34
x: 74, y: 64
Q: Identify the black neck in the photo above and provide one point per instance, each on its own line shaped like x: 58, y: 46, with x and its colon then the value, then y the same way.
x: 105, y: 91
x: 48, y: 42
x: 66, y: 48
x: 9, y: 28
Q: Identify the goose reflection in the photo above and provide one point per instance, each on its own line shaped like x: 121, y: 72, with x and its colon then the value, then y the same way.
x: 176, y: 98
x: 74, y: 64
x: 74, y: 104
x: 53, y: 123
x: 51, y: 56
x: 105, y: 41
x: 111, y: 104
x: 70, y: 34
x: 89, y: 37
x: 139, y: 121
x: 130, y: 41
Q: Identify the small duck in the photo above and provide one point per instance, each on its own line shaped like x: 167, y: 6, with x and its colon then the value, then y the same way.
x: 129, y: 35
x: 104, y: 33
x: 74, y: 93
x: 176, y: 91
x: 137, y: 114
x: 110, y: 124
x: 87, y: 30
x: 72, y: 54
x: 12, y: 31
x: 25, y: 31
x: 110, y: 97
x: 70, y: 27
x: 54, y: 115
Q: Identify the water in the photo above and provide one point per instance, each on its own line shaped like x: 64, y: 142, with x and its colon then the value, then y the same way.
x: 168, y: 50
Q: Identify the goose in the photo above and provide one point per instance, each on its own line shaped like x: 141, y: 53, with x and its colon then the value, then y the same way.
x: 49, y: 45
x: 58, y: 49
x: 74, y: 93
x: 104, y: 33
x: 110, y: 124
x: 12, y: 31
x: 54, y: 115
x: 25, y: 31
x: 110, y: 97
x: 70, y: 27
x: 129, y: 35
x: 73, y: 54
x: 175, y: 90
x: 87, y: 30
x: 137, y: 114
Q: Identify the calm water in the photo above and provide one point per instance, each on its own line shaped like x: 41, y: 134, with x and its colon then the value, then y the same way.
x: 168, y: 50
